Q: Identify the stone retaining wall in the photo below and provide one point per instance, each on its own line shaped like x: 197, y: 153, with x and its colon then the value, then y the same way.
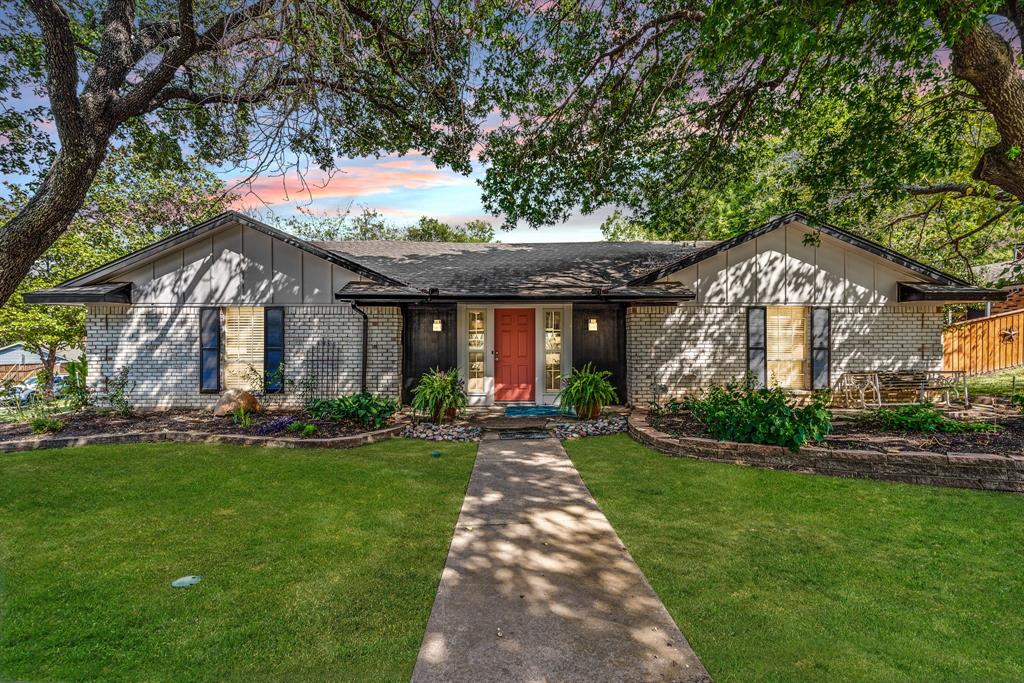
x: 984, y: 471
x: 40, y: 442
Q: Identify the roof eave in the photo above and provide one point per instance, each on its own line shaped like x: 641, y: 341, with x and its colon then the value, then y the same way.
x: 371, y: 297
x: 71, y: 297
x: 906, y: 293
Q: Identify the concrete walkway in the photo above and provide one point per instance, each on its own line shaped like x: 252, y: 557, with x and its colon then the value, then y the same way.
x: 538, y: 586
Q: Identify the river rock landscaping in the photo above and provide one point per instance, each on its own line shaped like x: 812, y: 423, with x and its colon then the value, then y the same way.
x: 598, y: 427
x: 441, y: 432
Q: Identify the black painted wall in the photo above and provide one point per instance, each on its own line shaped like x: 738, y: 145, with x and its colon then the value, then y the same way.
x: 605, y: 348
x: 423, y: 348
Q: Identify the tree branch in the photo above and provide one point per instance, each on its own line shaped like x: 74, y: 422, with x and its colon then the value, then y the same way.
x: 61, y: 68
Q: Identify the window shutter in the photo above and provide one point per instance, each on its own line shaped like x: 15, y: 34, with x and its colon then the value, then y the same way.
x: 209, y: 350
x: 821, y: 347
x: 243, y: 345
x: 273, y: 348
x: 756, y: 340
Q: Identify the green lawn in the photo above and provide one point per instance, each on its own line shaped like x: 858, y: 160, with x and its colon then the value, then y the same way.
x: 999, y: 384
x: 316, y: 564
x: 776, y: 576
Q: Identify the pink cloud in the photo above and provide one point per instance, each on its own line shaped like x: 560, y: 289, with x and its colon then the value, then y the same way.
x: 382, y: 177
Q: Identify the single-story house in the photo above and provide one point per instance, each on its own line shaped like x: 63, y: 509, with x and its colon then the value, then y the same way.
x: 18, y: 362
x: 795, y: 302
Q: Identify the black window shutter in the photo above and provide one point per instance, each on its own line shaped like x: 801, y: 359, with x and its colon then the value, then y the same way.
x: 273, y: 348
x: 757, y: 356
x: 821, y: 346
x: 209, y: 350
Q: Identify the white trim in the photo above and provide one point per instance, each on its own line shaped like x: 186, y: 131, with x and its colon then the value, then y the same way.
x: 541, y: 397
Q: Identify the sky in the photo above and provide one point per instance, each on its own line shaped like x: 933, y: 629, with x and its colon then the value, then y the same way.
x: 402, y: 189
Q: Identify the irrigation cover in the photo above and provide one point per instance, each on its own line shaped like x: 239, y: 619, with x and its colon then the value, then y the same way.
x: 186, y: 581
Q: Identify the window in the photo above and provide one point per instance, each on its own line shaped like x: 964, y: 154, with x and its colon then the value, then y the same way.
x: 786, y: 346
x: 273, y: 349
x: 243, y: 345
x: 552, y: 350
x: 209, y: 350
x: 476, y: 330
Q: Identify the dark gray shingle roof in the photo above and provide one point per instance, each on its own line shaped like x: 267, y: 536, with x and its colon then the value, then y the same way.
x: 570, y: 268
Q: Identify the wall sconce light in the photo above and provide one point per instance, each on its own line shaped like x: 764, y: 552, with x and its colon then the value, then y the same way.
x: 592, y: 324
x: 437, y: 325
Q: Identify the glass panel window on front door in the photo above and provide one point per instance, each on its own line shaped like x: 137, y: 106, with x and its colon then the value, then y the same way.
x: 476, y: 330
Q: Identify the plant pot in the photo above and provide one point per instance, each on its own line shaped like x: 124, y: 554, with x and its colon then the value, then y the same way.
x: 587, y: 412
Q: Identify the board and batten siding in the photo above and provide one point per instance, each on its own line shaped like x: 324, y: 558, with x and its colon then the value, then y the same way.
x: 778, y: 268
x: 236, y: 266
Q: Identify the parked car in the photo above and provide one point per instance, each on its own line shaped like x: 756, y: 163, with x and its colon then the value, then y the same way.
x: 27, y: 390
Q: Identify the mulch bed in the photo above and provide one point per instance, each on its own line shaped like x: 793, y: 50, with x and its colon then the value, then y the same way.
x: 850, y: 434
x: 87, y: 423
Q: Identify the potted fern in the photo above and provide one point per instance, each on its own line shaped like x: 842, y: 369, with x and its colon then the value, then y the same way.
x: 587, y: 391
x: 441, y: 394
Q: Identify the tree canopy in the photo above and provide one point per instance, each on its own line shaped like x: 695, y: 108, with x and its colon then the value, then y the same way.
x: 694, y: 118
x: 700, y: 119
x: 368, y: 224
x: 127, y: 208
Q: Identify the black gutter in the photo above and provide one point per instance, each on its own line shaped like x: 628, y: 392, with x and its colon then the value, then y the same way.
x: 366, y: 342
x: 422, y: 298
x: 907, y: 292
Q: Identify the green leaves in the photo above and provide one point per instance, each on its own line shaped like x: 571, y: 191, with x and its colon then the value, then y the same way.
x: 366, y: 409
x: 440, y: 394
x: 587, y: 391
x: 748, y: 414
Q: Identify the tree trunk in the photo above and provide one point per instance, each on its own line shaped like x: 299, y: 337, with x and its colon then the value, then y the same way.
x: 48, y: 213
x: 50, y: 368
x: 984, y: 59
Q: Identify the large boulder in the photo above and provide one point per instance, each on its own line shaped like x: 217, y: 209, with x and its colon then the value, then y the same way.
x: 233, y: 399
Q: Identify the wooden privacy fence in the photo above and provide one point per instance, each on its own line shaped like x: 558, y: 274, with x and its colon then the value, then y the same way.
x: 985, y: 345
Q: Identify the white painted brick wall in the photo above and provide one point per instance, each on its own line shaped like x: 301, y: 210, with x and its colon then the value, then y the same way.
x: 160, y: 346
x: 689, y: 348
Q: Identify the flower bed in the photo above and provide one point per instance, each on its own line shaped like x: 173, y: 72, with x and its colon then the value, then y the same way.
x: 974, y: 470
x: 862, y: 435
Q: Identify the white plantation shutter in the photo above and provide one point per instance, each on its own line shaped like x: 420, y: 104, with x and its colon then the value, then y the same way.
x: 787, y: 346
x: 243, y: 345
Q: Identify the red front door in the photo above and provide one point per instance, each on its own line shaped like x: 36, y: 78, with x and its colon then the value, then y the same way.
x: 514, y: 364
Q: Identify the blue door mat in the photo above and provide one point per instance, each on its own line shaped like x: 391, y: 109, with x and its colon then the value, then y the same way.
x: 532, y: 411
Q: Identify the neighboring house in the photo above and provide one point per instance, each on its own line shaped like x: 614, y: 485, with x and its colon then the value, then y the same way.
x: 790, y: 301
x: 18, y: 362
x: 1009, y: 276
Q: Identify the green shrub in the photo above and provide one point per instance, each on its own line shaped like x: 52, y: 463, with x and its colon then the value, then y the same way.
x: 587, y: 391
x: 923, y: 417
x: 302, y: 429
x: 1018, y: 400
x: 243, y: 418
x: 439, y: 394
x: 46, y: 424
x: 748, y: 414
x: 368, y: 410
x: 119, y: 387
x: 76, y: 387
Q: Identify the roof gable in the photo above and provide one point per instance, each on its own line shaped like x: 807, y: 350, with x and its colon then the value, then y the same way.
x: 219, y: 221
x: 877, y: 250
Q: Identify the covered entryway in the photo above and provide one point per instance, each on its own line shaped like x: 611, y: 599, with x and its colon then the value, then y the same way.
x: 514, y: 361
